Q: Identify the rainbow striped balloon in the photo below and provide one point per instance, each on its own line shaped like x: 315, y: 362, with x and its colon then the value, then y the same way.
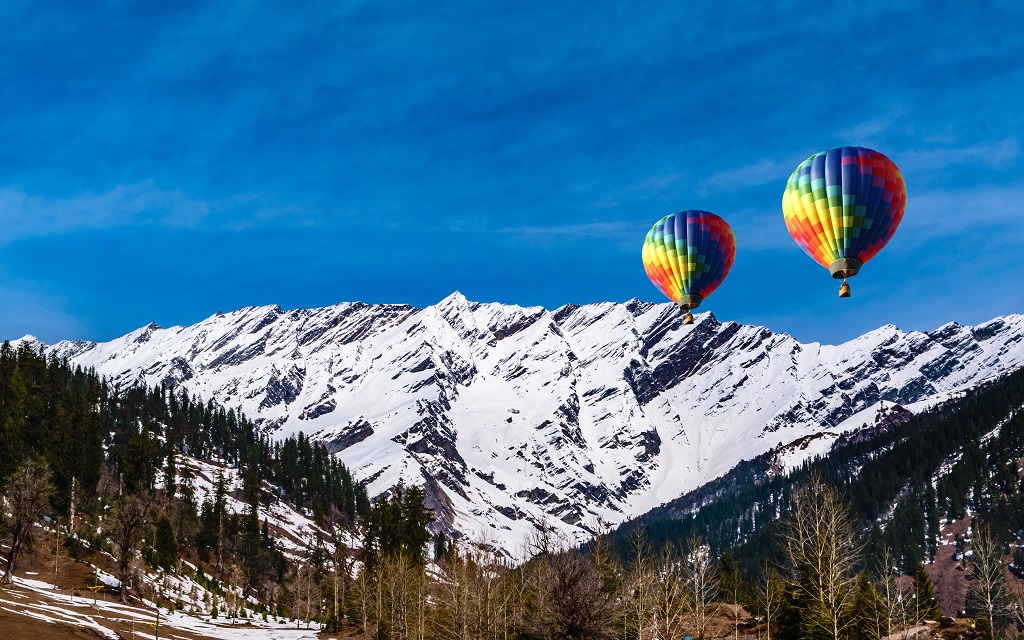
x: 688, y: 254
x: 842, y: 206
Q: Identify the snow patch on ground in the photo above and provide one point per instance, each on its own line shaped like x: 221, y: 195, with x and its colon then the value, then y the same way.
x: 37, y: 600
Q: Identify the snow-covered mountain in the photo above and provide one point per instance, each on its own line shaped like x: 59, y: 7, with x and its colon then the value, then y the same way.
x: 581, y: 416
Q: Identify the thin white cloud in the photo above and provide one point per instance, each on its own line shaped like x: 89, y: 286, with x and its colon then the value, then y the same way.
x: 864, y: 133
x: 934, y: 215
x: 657, y: 183
x: 761, y: 172
x: 141, y: 204
x: 23, y: 214
x: 997, y: 155
x: 612, y: 230
x: 869, y: 133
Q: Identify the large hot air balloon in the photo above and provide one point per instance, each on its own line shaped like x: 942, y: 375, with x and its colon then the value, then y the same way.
x: 687, y: 255
x: 842, y: 206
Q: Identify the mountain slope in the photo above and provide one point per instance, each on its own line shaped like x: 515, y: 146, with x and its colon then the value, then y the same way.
x: 902, y: 479
x: 509, y: 415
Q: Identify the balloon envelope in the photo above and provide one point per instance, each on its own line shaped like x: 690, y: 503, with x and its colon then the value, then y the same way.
x: 843, y: 205
x: 688, y: 254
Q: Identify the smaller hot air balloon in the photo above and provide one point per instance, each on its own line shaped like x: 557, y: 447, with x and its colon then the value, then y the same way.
x: 687, y: 255
x: 842, y: 206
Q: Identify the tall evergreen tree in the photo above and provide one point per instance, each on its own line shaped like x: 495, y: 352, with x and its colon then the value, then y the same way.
x: 925, y: 600
x: 166, y: 544
x: 170, y: 478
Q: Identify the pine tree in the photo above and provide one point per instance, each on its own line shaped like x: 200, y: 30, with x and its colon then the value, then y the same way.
x: 170, y: 470
x: 868, y: 611
x: 415, y: 517
x: 166, y: 546
x: 984, y: 628
x: 13, y: 395
x: 924, y: 596
x: 251, y: 547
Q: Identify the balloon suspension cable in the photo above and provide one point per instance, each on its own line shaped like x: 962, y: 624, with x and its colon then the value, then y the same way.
x: 844, y: 290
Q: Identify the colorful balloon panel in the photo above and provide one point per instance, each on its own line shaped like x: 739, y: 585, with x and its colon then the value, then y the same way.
x: 689, y: 253
x: 844, y: 203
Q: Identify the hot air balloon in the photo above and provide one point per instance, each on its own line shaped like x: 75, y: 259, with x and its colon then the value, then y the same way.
x: 687, y: 255
x: 842, y: 206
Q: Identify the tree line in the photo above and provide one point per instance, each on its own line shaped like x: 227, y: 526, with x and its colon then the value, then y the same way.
x: 823, y: 586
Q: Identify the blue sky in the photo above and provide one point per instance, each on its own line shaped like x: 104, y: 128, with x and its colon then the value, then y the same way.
x: 165, y: 161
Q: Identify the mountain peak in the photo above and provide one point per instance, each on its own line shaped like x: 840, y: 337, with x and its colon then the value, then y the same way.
x: 511, y: 416
x: 454, y: 298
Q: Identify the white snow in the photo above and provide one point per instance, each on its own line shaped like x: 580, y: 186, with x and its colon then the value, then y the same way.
x: 38, y: 600
x: 580, y: 415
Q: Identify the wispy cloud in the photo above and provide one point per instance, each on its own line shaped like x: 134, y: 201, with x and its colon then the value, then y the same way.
x: 132, y: 205
x: 612, y: 230
x: 997, y: 155
x: 24, y: 214
x: 991, y: 212
x: 761, y: 172
x: 865, y: 133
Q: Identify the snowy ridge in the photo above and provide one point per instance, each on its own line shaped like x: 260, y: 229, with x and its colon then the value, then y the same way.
x: 510, y: 415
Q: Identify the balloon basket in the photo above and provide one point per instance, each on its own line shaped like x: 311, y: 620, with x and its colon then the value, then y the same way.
x: 844, y: 290
x: 688, y: 319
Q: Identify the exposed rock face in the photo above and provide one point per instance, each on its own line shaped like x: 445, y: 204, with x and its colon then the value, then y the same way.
x: 511, y: 415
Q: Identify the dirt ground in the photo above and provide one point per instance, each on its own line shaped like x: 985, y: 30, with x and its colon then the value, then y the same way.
x: 20, y: 627
x: 949, y: 575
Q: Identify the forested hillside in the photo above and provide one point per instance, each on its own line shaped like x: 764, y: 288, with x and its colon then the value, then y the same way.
x: 124, y: 463
x: 901, y: 482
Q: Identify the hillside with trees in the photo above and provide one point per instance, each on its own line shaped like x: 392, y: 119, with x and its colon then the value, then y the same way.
x: 903, y: 484
x: 109, y: 468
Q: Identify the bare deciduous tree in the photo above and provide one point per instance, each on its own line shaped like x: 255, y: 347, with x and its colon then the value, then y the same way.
x: 128, y: 520
x: 1015, y: 597
x: 700, y: 584
x: 307, y: 593
x: 670, y: 597
x: 567, y: 597
x: 475, y: 596
x: 26, y: 497
x: 399, y: 590
x: 895, y: 601
x: 988, y: 594
x: 456, y: 594
x: 640, y: 587
x: 770, y: 596
x: 823, y: 552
